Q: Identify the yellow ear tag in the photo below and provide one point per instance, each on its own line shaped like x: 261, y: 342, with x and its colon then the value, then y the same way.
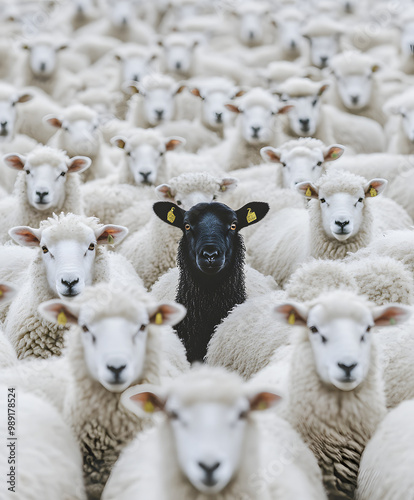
x: 251, y: 216
x: 308, y: 192
x: 392, y: 321
x: 262, y: 405
x: 373, y: 192
x: 149, y: 407
x: 223, y: 188
x: 111, y: 239
x: 62, y: 319
x: 292, y: 318
x: 1, y: 292
x: 158, y: 319
x: 171, y: 216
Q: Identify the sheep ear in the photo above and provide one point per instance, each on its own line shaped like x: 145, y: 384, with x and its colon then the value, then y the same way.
x: 142, y: 401
x: 251, y: 214
x: 117, y: 57
x: 270, y: 155
x: 131, y: 89
x: 170, y: 213
x: 53, y: 121
x: 323, y: 88
x: 263, y: 401
x: 307, y: 189
x: 285, y: 109
x: 7, y: 292
x: 180, y: 89
x: 233, y: 108
x: 14, y: 160
x: 228, y: 184
x: 334, y: 152
x: 391, y: 314
x: 375, y: 68
x: 23, y: 98
x: 239, y: 93
x: 172, y: 143
x: 25, y: 236
x: 167, y: 314
x: 119, y: 141
x: 79, y: 164
x: 63, y: 46
x: 292, y: 314
x: 59, y: 312
x: 375, y: 187
x: 195, y: 92
x: 163, y: 192
x: 110, y: 234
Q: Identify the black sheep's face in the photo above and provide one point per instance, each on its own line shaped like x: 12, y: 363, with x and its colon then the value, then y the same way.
x: 210, y: 231
x: 211, y: 237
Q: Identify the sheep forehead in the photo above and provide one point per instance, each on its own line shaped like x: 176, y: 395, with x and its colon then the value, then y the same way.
x: 153, y: 82
x: 341, y: 304
x: 78, y: 113
x: 322, y: 27
x: 299, y: 87
x: 303, y: 142
x: 132, y: 50
x: 256, y: 97
x: 350, y: 63
x: 252, y: 8
x: 216, y: 84
x: 300, y: 152
x: 149, y: 137
x: 340, y: 182
x: 44, y: 155
x: 188, y: 183
x: 178, y: 39
x: 58, y: 224
x: 80, y: 233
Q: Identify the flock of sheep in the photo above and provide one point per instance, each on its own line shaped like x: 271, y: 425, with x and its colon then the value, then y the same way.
x: 206, y: 249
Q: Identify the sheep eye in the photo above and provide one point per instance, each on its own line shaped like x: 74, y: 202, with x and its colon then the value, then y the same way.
x: 161, y: 153
x: 63, y: 174
x: 91, y: 246
x: 362, y: 338
x: 315, y: 102
x: 322, y: 200
x: 243, y: 415
x: 313, y: 329
x: 173, y: 415
x: 233, y: 226
x: 85, y: 328
x: 27, y: 172
x: 128, y: 153
x: 319, y: 164
x: 187, y: 227
x: 214, y: 198
x: 283, y: 164
x: 142, y: 328
x: 324, y: 339
x: 368, y: 328
x: 361, y: 200
x: 178, y: 202
x: 45, y: 250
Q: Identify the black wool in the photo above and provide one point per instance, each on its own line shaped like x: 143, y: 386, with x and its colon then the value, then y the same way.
x: 208, y: 298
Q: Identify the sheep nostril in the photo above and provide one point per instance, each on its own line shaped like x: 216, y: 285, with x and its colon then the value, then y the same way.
x: 342, y: 224
x: 347, y: 368
x: 42, y: 194
x: 354, y: 99
x: 70, y: 284
x: 116, y: 370
x: 42, y: 66
x: 324, y: 60
x: 178, y: 65
x: 159, y: 113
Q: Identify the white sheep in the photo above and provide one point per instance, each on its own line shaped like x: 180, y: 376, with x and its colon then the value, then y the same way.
x: 256, y: 127
x: 336, y: 395
x: 235, y: 451
x: 307, y: 116
x: 119, y: 337
x: 324, y: 36
x: 401, y: 125
x: 69, y: 257
x: 153, y: 249
x: 47, y: 182
x: 45, y: 456
x: 79, y: 134
x: 383, y: 470
x: 7, y: 353
x: 339, y: 220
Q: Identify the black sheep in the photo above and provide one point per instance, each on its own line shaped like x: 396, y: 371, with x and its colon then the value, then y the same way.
x: 211, y: 262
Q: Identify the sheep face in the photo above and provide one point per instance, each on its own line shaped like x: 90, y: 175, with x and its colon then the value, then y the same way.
x: 46, y: 180
x: 407, y: 40
x: 8, y: 115
x: 84, y: 7
x: 214, y: 111
x: 407, y: 116
x: 179, y: 57
x: 290, y: 37
x: 251, y: 27
x: 338, y: 328
x: 68, y: 253
x: 159, y: 105
x: 322, y: 49
x: 210, y: 432
x: 342, y: 213
x: 355, y: 90
x: 43, y: 58
x: 134, y: 68
x: 121, y: 13
x: 257, y: 123
x: 304, y: 115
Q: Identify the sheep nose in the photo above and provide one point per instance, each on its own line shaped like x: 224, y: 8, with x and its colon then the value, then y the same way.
x: 178, y: 65
x: 116, y: 370
x: 219, y: 117
x: 342, y: 224
x: 159, y: 113
x: 324, y: 60
x: 3, y: 124
x: 412, y: 48
x: 347, y: 368
x: 135, y: 78
x: 304, y: 123
x: 354, y: 99
x: 42, y: 194
x: 209, y: 470
x: 211, y: 255
x: 293, y: 44
x: 256, y: 131
x: 251, y: 35
x: 70, y: 284
x: 145, y: 176
x: 42, y: 66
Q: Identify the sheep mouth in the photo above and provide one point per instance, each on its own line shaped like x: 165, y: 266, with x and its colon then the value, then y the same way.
x: 70, y: 294
x: 4, y: 132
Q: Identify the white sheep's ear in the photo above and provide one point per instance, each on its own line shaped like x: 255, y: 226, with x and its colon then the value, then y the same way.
x: 163, y: 192
x: 131, y: 88
x: 53, y: 121
x: 169, y: 313
x: 59, y: 312
x: 263, y: 401
x: 78, y: 164
x: 26, y: 236
x: 119, y: 141
x: 390, y: 314
x: 292, y: 313
x: 15, y: 161
x: 233, y: 108
x: 24, y: 97
x: 375, y: 187
x: 270, y: 155
x: 110, y: 234
x: 196, y: 92
x: 228, y: 184
x: 7, y: 292
x: 239, y: 93
x: 172, y: 143
x: 308, y: 190
x: 179, y: 89
x: 333, y: 152
x: 144, y: 399
x: 323, y: 88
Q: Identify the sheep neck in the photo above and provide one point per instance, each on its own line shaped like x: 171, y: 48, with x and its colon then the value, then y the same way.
x: 208, y: 299
x: 324, y: 247
x: 335, y: 424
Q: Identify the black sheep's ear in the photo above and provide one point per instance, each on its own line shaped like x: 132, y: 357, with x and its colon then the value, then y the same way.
x: 170, y: 213
x: 251, y: 213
